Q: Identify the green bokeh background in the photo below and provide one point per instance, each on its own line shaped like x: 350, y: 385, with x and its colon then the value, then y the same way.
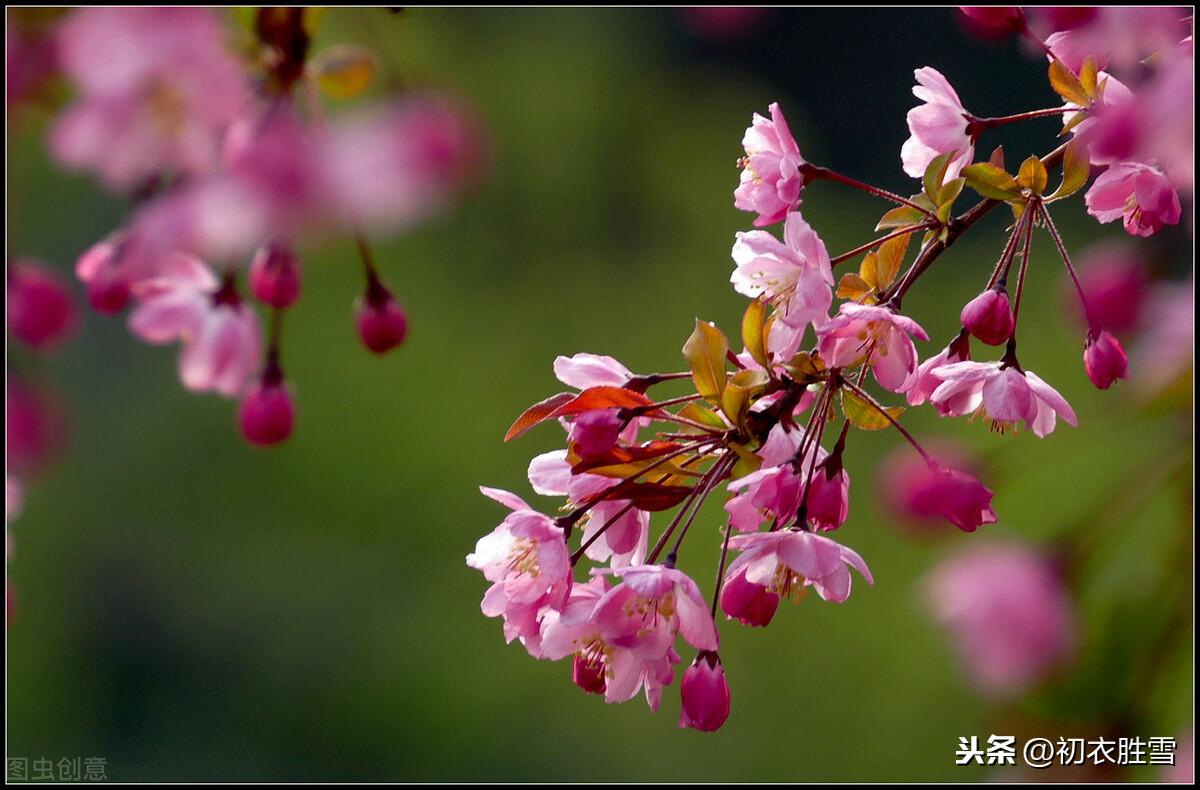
x: 191, y: 608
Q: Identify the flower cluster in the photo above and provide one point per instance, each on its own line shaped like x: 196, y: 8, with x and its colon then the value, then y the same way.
x: 760, y: 427
x: 231, y: 167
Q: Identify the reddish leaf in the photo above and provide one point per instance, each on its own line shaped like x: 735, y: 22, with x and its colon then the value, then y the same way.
x: 626, y: 455
x: 652, y: 497
x: 537, y: 413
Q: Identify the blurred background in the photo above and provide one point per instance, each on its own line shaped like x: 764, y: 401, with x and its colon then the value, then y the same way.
x: 191, y: 608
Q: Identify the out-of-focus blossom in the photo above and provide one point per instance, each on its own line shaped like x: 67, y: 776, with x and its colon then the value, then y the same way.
x: 266, y: 415
x: 925, y: 494
x: 938, y: 126
x: 877, y: 334
x: 1005, y: 394
x: 771, y: 180
x: 723, y: 23
x: 1116, y: 37
x: 1139, y: 194
x: 1104, y: 359
x: 157, y: 89
x: 40, y: 310
x: 794, y: 275
x: 34, y: 427
x: 786, y: 561
x: 220, y: 334
x: 275, y: 276
x: 1115, y: 284
x: 1163, y: 354
x: 1008, y: 613
x: 704, y: 694
x: 1184, y: 769
x: 527, y: 561
x: 29, y: 60
x: 989, y: 316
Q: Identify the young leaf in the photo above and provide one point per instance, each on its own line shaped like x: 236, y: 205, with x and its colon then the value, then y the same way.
x: 1087, y: 77
x: 1033, y: 175
x: 851, y: 286
x: 900, y: 217
x: 888, y: 260
x: 862, y: 414
x: 742, y: 388
x: 537, y: 413
x: 705, y: 352
x: 746, y: 463
x: 991, y: 182
x: 936, y: 172
x: 343, y: 71
x: 1067, y: 85
x: 652, y: 497
x: 997, y: 157
x: 754, y: 334
x: 1076, y: 170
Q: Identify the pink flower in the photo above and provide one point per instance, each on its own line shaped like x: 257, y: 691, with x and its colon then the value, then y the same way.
x: 607, y: 661
x: 1006, y: 394
x: 40, y: 310
x: 655, y: 598
x: 1004, y: 17
x: 1007, y: 610
x: 104, y: 271
x: 751, y: 604
x: 220, y: 334
x: 795, y: 275
x: 939, y: 126
x: 584, y: 371
x: 624, y: 541
x: 527, y: 561
x: 1139, y: 193
x: 784, y: 562
x: 775, y: 488
x: 771, y: 179
x: 928, y: 379
x: 989, y: 316
x: 956, y: 496
x: 878, y: 335
x: 828, y: 500
x: 156, y: 91
x: 34, y: 427
x: 1104, y: 359
x: 704, y: 694
x: 595, y: 432
x: 1165, y: 351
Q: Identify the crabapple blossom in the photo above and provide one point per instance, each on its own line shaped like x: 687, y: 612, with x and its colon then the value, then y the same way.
x: 157, y: 89
x: 1004, y: 393
x: 1114, y: 281
x: 1104, y: 359
x: 771, y: 178
x: 704, y: 694
x: 938, y: 126
x: 750, y: 604
x: 275, y: 276
x: 1140, y: 195
x: 1008, y: 613
x: 526, y: 560
x: 794, y: 275
x: 654, y: 598
x: 989, y: 316
x: 928, y: 380
x: 41, y: 313
x: 935, y: 489
x: 876, y: 336
x: 787, y: 561
x: 220, y: 335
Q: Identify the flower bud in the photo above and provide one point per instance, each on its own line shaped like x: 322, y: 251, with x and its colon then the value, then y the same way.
x: 267, y: 415
x: 989, y: 317
x: 751, y: 604
x: 275, y: 276
x: 828, y: 503
x: 704, y: 694
x: 382, y: 323
x: 108, y: 286
x: 40, y: 311
x: 589, y: 675
x: 1104, y: 359
x: 595, y: 432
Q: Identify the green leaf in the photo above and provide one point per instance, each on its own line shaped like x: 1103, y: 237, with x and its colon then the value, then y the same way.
x: 697, y: 412
x: 740, y: 391
x: 754, y: 334
x: 705, y: 352
x: 936, y: 172
x: 900, y: 217
x: 864, y: 415
x: 1076, y: 170
x: 991, y: 182
x: 1033, y: 175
